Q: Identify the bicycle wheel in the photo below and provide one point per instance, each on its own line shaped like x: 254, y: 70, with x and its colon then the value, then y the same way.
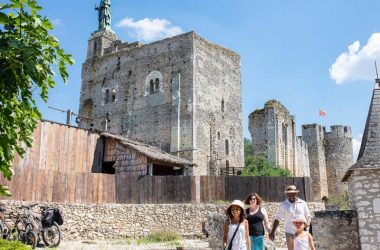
x: 31, y: 239
x: 51, y: 235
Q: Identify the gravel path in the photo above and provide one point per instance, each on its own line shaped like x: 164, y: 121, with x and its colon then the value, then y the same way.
x: 122, y: 245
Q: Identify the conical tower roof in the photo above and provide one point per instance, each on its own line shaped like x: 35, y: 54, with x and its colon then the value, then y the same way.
x: 369, y: 154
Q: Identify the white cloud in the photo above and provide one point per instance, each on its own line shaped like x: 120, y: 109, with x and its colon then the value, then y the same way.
x: 149, y: 29
x: 57, y: 22
x: 358, y: 62
x: 356, y: 142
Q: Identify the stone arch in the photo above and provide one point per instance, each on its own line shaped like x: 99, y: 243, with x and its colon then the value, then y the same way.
x: 153, y: 83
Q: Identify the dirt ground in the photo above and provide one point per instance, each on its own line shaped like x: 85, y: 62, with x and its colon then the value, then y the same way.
x: 123, y: 245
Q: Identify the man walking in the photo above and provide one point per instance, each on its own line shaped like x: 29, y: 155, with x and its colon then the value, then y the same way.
x: 290, y: 208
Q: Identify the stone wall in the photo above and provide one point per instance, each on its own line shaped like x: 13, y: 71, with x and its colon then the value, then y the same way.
x: 313, y: 134
x: 364, y: 197
x: 218, y: 108
x: 114, y: 221
x: 339, y: 156
x: 302, y: 157
x: 335, y: 230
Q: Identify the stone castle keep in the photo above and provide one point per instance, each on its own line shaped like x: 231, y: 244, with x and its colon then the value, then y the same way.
x: 181, y: 94
x: 324, y: 156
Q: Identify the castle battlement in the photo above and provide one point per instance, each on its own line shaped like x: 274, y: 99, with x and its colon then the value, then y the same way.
x: 339, y: 131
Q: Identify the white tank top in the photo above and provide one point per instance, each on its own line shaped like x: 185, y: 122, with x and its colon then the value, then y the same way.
x: 301, y: 243
x: 239, y: 242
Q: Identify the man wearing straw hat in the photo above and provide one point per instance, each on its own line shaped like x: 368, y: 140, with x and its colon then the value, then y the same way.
x: 290, y: 208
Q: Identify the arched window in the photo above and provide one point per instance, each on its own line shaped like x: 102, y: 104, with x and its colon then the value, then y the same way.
x: 157, y: 85
x: 227, y: 148
x: 151, y: 86
x: 107, y: 97
x: 222, y: 105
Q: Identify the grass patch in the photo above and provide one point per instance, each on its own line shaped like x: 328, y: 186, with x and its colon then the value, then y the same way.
x: 13, y: 245
x: 169, y: 237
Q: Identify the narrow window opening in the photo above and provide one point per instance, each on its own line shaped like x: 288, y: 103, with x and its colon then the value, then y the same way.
x: 107, y: 97
x: 151, y: 86
x: 95, y: 48
x: 129, y: 72
x: 118, y: 62
x: 227, y: 166
x: 222, y: 106
x: 227, y: 148
x: 218, y: 135
x: 157, y: 84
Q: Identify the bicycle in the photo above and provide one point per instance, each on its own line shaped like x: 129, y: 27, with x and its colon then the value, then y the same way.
x: 46, y: 228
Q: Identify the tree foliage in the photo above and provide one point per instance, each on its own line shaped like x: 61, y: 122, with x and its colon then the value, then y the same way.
x: 260, y: 166
x: 28, y: 57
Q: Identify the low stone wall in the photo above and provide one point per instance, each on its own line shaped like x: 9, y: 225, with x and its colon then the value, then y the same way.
x: 115, y: 221
x: 336, y: 230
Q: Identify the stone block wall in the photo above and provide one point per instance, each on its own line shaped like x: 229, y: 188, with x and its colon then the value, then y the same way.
x: 302, y: 157
x: 333, y: 230
x: 218, y: 108
x: 364, y: 197
x: 116, y: 221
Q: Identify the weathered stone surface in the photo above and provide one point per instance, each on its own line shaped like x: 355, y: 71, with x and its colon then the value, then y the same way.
x: 335, y: 230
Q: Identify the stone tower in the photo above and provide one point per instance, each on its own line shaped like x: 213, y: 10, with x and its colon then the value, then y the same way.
x: 313, y: 134
x: 338, y: 152
x: 182, y: 94
x: 274, y: 136
x: 364, y: 178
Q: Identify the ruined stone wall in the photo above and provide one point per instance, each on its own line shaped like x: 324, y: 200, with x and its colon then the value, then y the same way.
x: 302, y: 157
x: 274, y: 135
x: 217, y: 108
x: 118, y: 221
x: 364, y: 197
x: 339, y: 156
x: 257, y: 127
x: 333, y: 230
x: 313, y: 135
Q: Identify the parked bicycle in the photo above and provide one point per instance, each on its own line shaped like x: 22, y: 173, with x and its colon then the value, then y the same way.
x: 17, y: 227
x: 46, y: 225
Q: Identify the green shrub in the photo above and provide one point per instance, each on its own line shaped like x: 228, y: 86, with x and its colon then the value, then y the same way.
x: 260, y: 166
x: 164, y: 236
x: 12, y: 245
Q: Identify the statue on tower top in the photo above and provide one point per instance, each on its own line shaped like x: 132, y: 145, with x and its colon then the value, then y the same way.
x: 104, y: 14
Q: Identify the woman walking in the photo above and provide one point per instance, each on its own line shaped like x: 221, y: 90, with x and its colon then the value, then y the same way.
x: 257, y: 219
x: 236, y: 228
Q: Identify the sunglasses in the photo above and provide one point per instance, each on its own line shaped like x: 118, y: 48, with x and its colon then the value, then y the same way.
x: 252, y: 198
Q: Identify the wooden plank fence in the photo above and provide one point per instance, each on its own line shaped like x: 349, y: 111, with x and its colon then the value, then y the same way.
x: 31, y: 184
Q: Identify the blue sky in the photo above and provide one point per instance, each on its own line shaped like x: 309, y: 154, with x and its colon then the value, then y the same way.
x: 287, y: 49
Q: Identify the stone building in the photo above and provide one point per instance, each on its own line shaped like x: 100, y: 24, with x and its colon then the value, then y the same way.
x: 363, y: 178
x: 274, y: 136
x: 324, y: 156
x: 181, y: 94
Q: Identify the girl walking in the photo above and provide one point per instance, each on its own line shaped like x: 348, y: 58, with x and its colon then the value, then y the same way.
x: 236, y: 228
x: 301, y: 240
x: 257, y: 219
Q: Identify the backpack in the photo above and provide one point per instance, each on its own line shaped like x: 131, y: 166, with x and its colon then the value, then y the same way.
x: 47, y: 218
x: 57, y: 216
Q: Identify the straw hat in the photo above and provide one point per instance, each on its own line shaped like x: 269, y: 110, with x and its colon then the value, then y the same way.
x: 238, y: 203
x: 291, y: 189
x: 299, y: 218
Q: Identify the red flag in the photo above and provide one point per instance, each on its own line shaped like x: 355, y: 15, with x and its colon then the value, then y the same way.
x: 322, y: 112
